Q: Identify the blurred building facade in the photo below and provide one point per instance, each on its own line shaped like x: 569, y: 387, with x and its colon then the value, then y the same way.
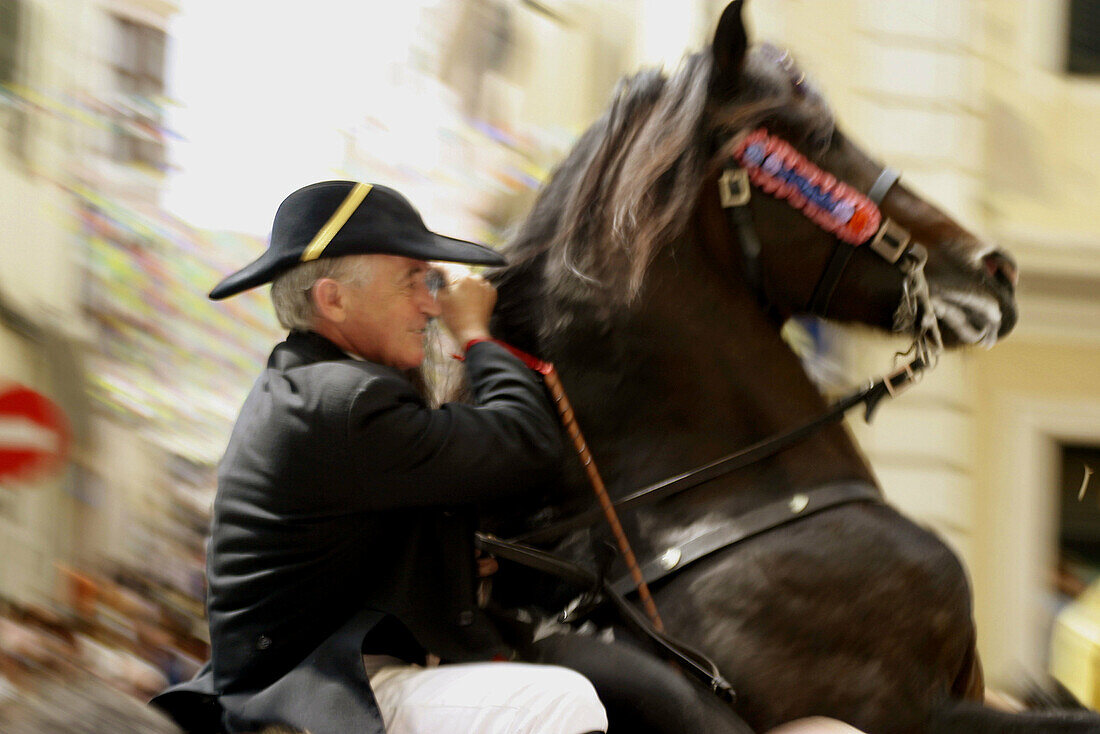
x: 974, y: 103
x: 71, y: 82
x: 101, y: 313
x: 970, y: 100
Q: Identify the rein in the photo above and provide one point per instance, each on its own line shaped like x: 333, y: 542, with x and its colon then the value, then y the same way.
x: 887, y: 386
x: 569, y: 421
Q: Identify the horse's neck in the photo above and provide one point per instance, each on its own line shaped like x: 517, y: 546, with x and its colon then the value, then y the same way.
x: 694, y: 372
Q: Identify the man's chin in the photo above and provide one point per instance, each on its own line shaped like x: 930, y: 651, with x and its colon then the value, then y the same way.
x: 410, y: 361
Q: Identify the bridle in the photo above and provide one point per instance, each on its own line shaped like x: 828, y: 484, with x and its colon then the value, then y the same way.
x: 888, y: 239
x: 774, y: 166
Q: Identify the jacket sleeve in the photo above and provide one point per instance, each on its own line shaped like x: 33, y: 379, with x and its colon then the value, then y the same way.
x: 409, y: 455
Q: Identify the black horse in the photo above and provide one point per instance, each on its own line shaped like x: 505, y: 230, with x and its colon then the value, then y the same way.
x: 662, y: 312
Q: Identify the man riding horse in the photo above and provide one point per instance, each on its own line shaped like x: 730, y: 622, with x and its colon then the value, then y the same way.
x: 346, y: 507
x: 341, y: 563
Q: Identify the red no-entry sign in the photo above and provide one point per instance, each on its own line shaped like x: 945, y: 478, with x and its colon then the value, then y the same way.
x: 34, y: 434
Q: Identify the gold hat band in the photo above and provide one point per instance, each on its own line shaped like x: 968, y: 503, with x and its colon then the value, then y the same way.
x: 336, y: 221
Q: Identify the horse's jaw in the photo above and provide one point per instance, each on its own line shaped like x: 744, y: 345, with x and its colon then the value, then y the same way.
x: 967, y: 318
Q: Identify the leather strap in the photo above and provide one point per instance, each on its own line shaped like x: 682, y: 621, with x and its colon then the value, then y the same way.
x: 741, y: 219
x: 688, y: 658
x: 826, y: 284
x: 882, y: 184
x: 735, y: 192
x: 869, y: 397
x: 752, y: 523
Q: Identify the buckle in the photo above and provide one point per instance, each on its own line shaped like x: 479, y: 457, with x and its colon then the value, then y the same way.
x: 891, y: 240
x: 873, y: 398
x: 733, y: 187
x: 910, y: 379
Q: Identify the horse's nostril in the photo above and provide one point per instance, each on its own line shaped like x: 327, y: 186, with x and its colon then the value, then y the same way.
x: 1001, y: 267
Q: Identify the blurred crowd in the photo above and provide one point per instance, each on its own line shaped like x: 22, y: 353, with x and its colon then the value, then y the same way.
x: 97, y: 656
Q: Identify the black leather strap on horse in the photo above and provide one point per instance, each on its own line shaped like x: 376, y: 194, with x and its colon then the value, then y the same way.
x: 750, y: 524
x: 830, y: 277
x: 869, y: 397
x: 843, y: 251
x: 882, y: 184
x: 735, y: 191
x: 689, y: 659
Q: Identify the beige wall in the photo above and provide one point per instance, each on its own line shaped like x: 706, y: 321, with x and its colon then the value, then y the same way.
x: 1042, y: 146
x: 1030, y: 394
x: 1042, y: 182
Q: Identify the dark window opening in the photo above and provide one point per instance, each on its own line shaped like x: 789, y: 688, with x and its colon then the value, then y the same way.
x: 9, y: 40
x: 1079, y: 525
x: 1083, y: 53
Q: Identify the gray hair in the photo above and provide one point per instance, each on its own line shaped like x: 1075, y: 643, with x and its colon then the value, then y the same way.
x: 291, y: 292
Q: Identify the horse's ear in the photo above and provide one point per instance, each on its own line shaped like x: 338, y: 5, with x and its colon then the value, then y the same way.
x: 730, y: 44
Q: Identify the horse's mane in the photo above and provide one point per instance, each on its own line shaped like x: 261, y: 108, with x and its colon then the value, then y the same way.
x: 630, y: 184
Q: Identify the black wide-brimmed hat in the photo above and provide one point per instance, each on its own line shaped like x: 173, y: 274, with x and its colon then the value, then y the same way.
x: 335, y: 218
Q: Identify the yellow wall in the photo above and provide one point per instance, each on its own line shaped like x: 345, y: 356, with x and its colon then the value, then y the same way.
x: 1050, y: 369
x: 1029, y: 395
x: 1043, y: 141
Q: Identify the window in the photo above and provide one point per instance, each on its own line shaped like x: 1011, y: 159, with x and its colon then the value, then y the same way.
x: 137, y: 60
x: 1079, y: 526
x: 1083, y: 53
x: 9, y: 40
x: 13, y: 116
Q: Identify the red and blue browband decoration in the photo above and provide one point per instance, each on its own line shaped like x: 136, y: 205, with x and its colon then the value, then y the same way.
x: 780, y: 170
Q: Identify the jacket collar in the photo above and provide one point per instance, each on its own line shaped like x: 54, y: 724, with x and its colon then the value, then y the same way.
x: 308, y: 347
x: 304, y: 347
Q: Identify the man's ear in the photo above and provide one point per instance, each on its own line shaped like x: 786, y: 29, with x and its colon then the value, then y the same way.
x: 328, y: 300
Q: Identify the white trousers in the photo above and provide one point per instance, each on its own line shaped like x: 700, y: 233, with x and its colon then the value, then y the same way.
x: 486, y: 698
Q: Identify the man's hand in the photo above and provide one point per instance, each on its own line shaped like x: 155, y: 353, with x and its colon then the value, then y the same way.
x: 466, y: 301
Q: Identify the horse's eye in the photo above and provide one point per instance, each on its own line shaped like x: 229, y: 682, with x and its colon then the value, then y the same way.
x: 820, y: 142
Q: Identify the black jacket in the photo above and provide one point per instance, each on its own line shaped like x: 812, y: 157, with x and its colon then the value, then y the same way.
x: 344, y: 523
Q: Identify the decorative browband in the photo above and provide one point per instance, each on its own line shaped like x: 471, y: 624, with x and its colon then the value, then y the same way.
x: 777, y: 168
